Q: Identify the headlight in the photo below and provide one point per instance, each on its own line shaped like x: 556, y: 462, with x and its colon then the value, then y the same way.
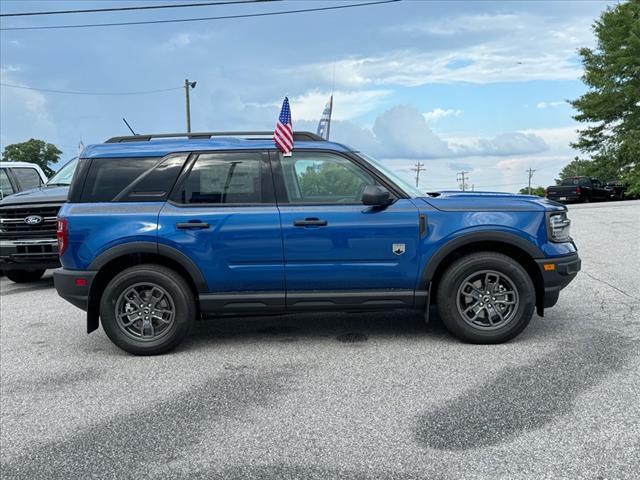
x: 559, y: 227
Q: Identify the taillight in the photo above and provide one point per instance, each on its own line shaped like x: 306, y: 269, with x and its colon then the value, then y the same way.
x: 62, y: 233
x: 578, y: 190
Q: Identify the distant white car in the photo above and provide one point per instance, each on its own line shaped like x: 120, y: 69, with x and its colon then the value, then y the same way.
x: 18, y: 176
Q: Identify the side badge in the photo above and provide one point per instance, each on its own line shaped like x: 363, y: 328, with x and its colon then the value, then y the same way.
x: 398, y: 248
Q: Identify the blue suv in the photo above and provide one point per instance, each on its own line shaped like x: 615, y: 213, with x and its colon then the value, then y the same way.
x: 161, y: 230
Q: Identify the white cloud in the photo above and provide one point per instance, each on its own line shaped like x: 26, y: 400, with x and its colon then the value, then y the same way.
x: 487, y: 49
x: 30, y: 106
x: 550, y: 104
x: 402, y: 132
x: 439, y: 113
x: 347, y: 104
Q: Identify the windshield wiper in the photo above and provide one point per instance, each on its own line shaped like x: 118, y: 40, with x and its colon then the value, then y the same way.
x: 58, y: 184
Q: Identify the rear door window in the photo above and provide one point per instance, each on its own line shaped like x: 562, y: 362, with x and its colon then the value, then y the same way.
x: 27, y: 178
x: 224, y: 178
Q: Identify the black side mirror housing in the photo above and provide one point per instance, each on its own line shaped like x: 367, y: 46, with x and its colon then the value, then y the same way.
x: 376, y: 196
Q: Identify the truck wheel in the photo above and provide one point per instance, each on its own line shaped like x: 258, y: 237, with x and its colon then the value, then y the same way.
x: 24, y: 276
x: 147, y: 309
x: 486, y: 297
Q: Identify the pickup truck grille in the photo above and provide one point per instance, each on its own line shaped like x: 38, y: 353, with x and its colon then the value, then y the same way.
x: 13, y: 225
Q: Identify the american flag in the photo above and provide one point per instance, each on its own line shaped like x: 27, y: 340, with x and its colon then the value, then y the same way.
x: 283, y: 134
x: 324, y: 126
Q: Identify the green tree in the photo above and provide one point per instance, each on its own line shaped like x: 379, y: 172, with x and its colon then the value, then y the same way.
x: 330, y: 179
x: 33, y: 151
x: 611, y: 106
x: 539, y: 191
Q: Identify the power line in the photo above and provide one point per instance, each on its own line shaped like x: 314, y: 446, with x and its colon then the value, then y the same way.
x: 200, y: 19
x: 419, y: 167
x: 68, y: 92
x: 530, y: 172
x: 122, y: 9
x: 461, y: 178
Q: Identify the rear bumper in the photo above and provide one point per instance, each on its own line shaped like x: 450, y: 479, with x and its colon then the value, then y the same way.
x: 557, y: 273
x: 29, y: 254
x: 568, y: 198
x: 74, y: 286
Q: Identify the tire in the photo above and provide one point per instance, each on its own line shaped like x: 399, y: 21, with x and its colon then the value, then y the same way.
x: 455, y: 297
x: 586, y: 199
x: 24, y: 276
x: 128, y: 292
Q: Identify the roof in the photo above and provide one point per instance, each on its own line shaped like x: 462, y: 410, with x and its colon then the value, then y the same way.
x: 24, y: 165
x: 19, y: 164
x: 161, y: 147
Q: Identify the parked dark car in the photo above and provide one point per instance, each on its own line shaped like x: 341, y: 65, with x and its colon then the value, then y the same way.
x: 578, y: 189
x: 617, y: 190
x: 28, y: 244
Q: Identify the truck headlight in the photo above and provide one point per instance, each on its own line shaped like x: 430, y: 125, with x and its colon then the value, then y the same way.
x: 559, y: 227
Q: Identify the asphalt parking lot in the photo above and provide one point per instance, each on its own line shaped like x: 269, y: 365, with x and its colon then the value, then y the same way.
x: 337, y: 395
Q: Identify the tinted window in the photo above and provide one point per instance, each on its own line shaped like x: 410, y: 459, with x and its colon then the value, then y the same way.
x: 107, y: 177
x: 27, y: 178
x: 224, y: 178
x: 323, y: 178
x: 582, y: 182
x: 155, y: 184
x: 5, y: 185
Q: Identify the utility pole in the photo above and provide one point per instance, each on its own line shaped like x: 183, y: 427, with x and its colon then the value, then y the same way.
x: 462, y: 180
x: 187, y: 86
x: 530, y: 171
x: 419, y: 167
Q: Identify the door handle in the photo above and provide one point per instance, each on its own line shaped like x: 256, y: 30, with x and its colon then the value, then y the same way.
x: 310, y: 222
x: 188, y: 225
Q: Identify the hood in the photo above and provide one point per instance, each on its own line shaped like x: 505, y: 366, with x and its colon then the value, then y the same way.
x: 489, y: 201
x: 37, y: 195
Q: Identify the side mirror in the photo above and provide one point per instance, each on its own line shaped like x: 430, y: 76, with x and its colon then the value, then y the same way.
x: 375, y: 195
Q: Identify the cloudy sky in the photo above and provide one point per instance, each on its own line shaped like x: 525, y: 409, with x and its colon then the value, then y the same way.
x: 475, y: 86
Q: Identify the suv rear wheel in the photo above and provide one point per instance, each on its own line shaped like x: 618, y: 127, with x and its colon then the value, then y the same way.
x: 147, y: 309
x: 486, y: 297
x: 24, y: 276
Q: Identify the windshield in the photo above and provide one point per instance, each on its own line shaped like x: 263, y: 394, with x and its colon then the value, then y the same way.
x: 401, y: 182
x: 64, y: 176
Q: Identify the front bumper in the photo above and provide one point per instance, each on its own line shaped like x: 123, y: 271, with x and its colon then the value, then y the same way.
x: 557, y: 273
x: 29, y: 254
x: 74, y: 286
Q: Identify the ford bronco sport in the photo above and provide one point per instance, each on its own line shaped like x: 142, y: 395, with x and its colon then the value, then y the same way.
x: 158, y: 232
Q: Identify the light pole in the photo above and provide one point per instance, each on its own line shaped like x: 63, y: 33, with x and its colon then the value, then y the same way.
x: 187, y: 86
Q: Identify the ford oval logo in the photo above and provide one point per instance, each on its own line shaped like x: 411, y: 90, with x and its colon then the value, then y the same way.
x: 33, y: 220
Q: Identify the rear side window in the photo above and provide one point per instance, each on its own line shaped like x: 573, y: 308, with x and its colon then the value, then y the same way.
x: 224, y: 178
x: 27, y: 178
x: 107, y: 177
x: 154, y: 184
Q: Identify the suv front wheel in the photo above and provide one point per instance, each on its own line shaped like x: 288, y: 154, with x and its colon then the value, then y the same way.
x: 486, y: 297
x: 147, y: 309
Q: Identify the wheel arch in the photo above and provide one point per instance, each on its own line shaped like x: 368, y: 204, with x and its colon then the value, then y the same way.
x: 116, y: 259
x: 521, y: 250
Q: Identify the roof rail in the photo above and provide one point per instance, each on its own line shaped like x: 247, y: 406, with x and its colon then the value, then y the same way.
x: 299, y: 136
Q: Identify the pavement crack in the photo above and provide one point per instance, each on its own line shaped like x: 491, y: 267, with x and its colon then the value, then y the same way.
x: 609, y: 285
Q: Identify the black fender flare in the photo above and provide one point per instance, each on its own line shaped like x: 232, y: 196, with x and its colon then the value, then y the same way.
x: 157, y: 249
x: 107, y: 256
x: 475, y: 237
